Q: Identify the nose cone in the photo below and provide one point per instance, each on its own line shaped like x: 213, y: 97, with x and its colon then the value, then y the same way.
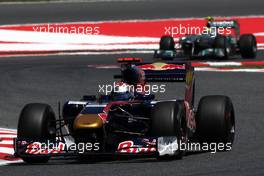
x: 87, y: 121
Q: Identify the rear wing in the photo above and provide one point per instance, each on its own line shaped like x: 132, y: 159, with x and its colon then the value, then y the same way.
x: 165, y: 72
x: 159, y: 71
x: 225, y: 24
x: 129, y: 60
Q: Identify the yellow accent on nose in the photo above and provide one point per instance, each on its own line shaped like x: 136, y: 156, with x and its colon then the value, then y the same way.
x: 87, y: 121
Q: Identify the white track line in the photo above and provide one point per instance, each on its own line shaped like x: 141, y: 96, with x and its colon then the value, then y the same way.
x: 36, y: 41
x: 224, y: 63
x: 8, y: 135
x: 25, y: 48
x: 7, y: 132
x: 6, y: 142
x: 7, y: 150
x: 7, y: 129
x: 231, y: 70
x: 42, y: 37
x: 6, y: 162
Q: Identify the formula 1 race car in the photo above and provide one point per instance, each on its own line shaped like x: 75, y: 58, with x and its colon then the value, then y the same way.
x: 211, y: 43
x: 125, y: 122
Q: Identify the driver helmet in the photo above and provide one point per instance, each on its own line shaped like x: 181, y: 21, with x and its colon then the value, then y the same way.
x: 209, y: 18
x: 209, y: 30
x: 121, y: 92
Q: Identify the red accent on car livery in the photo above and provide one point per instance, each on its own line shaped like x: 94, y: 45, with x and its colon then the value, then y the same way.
x: 161, y: 66
x: 37, y: 148
x: 147, y: 67
x: 129, y: 147
x: 104, y: 114
x: 173, y: 66
x: 190, y: 116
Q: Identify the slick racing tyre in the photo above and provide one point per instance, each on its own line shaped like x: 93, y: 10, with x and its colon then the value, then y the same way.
x: 215, y: 120
x: 221, y: 43
x: 37, y: 122
x: 168, y: 119
x: 167, y: 43
x: 248, y: 46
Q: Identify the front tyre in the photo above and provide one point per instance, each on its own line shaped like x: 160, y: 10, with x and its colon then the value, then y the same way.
x: 168, y: 119
x: 215, y: 120
x: 248, y: 46
x: 36, y: 122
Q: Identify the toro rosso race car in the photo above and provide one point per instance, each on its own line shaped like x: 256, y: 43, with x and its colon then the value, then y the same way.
x: 125, y: 122
x: 211, y: 43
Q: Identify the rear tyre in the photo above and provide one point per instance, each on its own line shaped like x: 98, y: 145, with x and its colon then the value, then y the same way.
x: 167, y: 43
x: 168, y: 119
x: 248, y: 46
x: 215, y: 120
x: 37, y: 122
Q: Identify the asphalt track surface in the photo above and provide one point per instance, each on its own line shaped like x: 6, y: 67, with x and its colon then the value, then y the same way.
x: 146, y: 9
x: 59, y: 78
